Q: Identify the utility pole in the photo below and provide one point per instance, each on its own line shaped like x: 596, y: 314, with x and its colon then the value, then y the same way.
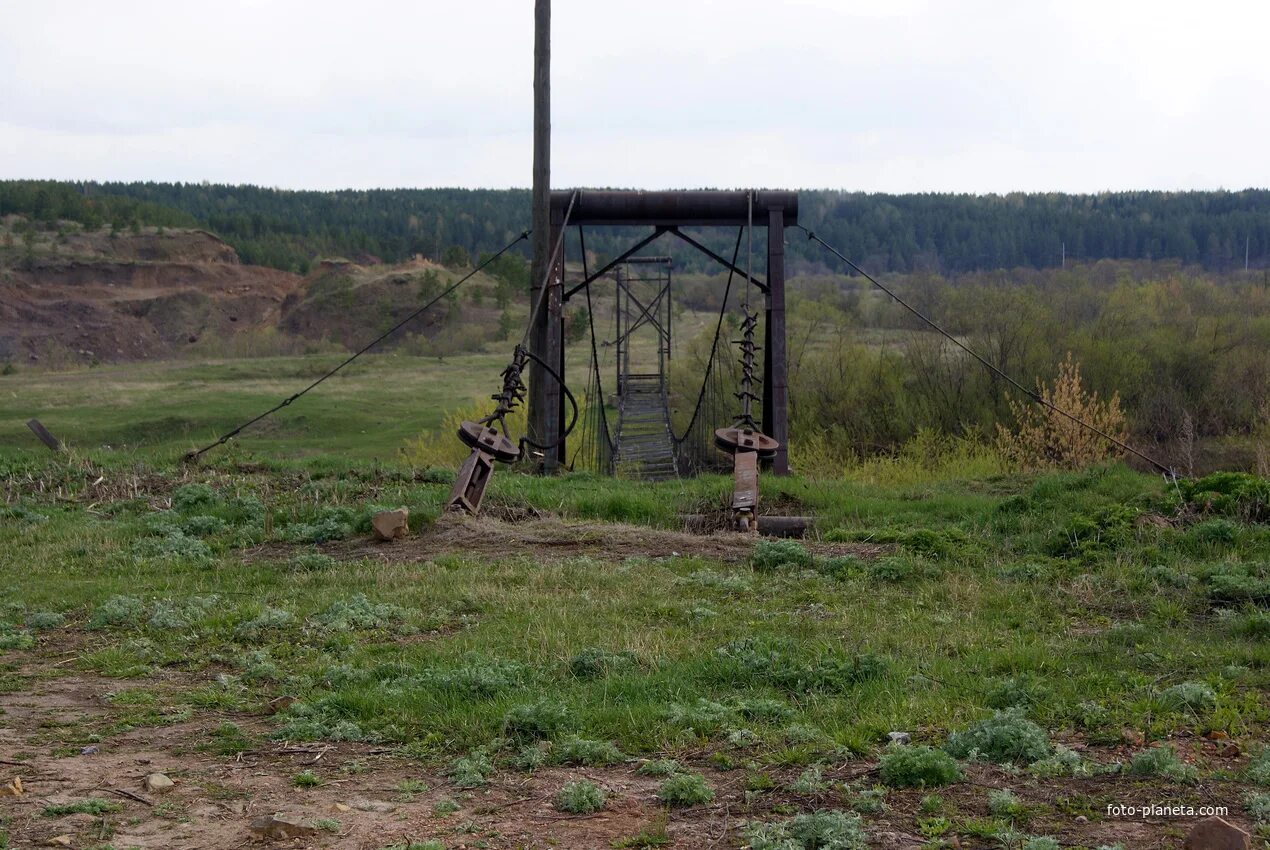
x: 543, y: 407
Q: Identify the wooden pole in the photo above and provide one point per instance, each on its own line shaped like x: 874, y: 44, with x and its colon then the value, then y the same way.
x: 541, y: 410
x: 775, y: 376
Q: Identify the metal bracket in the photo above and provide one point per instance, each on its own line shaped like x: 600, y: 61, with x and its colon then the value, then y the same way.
x: 470, y: 483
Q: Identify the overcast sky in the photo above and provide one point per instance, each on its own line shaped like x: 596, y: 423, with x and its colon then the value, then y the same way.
x: 884, y: 95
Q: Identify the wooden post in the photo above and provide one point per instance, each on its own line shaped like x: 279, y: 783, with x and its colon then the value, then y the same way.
x: 541, y: 409
x: 775, y: 379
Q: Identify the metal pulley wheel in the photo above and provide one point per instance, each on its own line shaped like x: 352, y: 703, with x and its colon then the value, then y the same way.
x: 486, y: 439
x: 745, y: 439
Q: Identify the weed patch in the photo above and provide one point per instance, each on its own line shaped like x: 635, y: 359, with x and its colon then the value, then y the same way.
x: 580, y: 798
x: 917, y: 766
x: 1007, y: 737
x: 822, y: 830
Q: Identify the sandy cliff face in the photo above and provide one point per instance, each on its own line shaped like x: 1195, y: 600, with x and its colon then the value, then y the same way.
x: 91, y: 296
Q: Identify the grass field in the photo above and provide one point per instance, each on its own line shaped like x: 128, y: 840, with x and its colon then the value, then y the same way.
x: 571, y: 669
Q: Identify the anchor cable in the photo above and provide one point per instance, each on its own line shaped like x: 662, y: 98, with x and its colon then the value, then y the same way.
x: 194, y: 455
x: 1031, y: 394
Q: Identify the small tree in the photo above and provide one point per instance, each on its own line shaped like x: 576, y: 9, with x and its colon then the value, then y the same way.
x: 454, y: 257
x: 1043, y: 438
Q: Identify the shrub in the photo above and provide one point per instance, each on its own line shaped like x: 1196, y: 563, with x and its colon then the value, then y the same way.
x: 704, y: 717
x: 1258, y: 770
x: 1257, y: 805
x: 311, y: 562
x: 685, y: 789
x: 659, y: 767
x: 41, y: 620
x: 306, y: 779
x: 773, y: 662
x: 810, y: 781
x: 1251, y: 624
x: 580, y: 798
x: 1004, y: 804
x: 270, y: 619
x: 190, y: 496
x: 594, y: 662
x: 822, y: 830
x: 203, y: 526
x: 175, y: 546
x: 587, y: 752
x: 771, y: 555
x: 534, y: 721
x: 1005, y: 737
x: 358, y: 612
x: 532, y: 756
x: 1162, y: 762
x: 1040, y: 842
x: 1232, y: 494
x: 1195, y: 696
x: 118, y: 611
x: 917, y: 766
x: 1044, y: 439
x: 892, y: 570
x: 870, y: 801
x: 1061, y: 762
x: 471, y: 770
x: 16, y: 640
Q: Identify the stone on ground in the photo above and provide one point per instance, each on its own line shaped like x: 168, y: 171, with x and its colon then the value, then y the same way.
x: 158, y: 783
x: 389, y: 525
x: 1217, y: 834
x: 281, y: 827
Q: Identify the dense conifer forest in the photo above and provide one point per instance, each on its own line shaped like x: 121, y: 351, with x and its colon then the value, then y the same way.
x: 943, y: 233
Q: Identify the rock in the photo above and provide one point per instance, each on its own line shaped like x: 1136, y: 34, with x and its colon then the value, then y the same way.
x: 340, y: 807
x: 59, y: 841
x: 1229, y: 751
x: 389, y: 525
x: 281, y: 703
x: 158, y: 783
x: 90, y: 751
x: 1216, y: 735
x: 1081, y: 819
x: 1217, y: 834
x: 899, y: 737
x: 12, y: 789
x: 372, y: 806
x: 278, y: 827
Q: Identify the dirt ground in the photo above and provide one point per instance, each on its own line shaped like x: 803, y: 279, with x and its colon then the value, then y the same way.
x: 361, y: 803
x: 544, y: 536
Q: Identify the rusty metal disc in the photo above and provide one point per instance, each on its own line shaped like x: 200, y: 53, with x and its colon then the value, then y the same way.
x: 477, y: 436
x: 744, y: 439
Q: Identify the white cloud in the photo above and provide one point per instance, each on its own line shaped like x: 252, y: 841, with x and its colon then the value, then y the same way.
x: 912, y: 95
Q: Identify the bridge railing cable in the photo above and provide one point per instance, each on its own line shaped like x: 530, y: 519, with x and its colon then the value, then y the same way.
x: 229, y: 435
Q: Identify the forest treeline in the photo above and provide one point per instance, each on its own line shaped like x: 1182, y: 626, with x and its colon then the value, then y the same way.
x: 918, y: 233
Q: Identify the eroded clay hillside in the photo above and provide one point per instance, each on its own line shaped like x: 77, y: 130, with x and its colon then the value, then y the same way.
x: 130, y: 296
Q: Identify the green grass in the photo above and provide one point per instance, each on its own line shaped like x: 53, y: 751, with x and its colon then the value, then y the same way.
x: 1041, y: 597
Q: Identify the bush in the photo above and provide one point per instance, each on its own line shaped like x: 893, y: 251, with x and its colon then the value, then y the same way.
x: 118, y: 611
x: 1257, y: 806
x: 771, y: 555
x: 268, y: 620
x: 1162, y: 762
x: 917, y: 766
x: 1005, y: 737
x: 1061, y: 762
x: 580, y: 798
x: 1231, y: 494
x: 41, y: 620
x: 685, y: 789
x: 1045, y: 439
x: 1195, y: 696
x: 1003, y: 803
x: 471, y: 770
x: 822, y: 830
x: 659, y: 767
x: 16, y: 640
x: 587, y: 752
x: 358, y: 612
x: 1258, y: 770
x: 190, y: 496
x: 311, y: 562
x: 810, y: 781
x: 704, y: 717
x: 594, y: 662
x: 535, y: 721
